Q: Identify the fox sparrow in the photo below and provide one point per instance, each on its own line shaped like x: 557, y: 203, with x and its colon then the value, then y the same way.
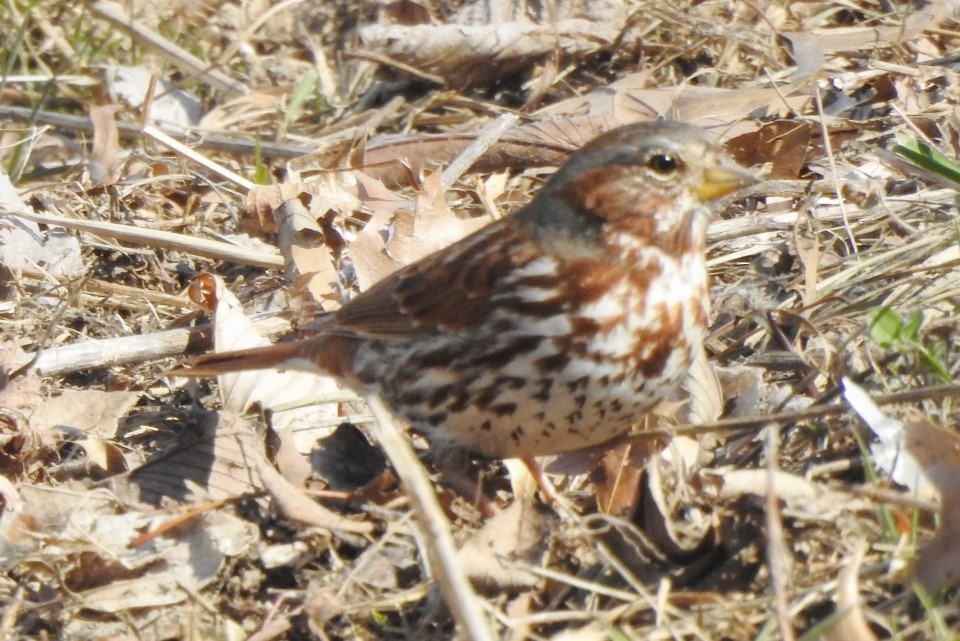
x: 551, y: 329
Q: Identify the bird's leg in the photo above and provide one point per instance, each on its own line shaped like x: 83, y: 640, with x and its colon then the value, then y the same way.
x: 543, y: 483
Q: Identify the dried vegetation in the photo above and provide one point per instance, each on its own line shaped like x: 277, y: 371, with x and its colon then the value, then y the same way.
x: 321, y: 145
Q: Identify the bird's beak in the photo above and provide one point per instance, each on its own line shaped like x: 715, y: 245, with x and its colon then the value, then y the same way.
x: 723, y: 178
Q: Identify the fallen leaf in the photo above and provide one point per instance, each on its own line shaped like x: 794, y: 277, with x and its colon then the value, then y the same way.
x: 858, y: 38
x: 807, y: 52
x: 478, y: 49
x: 852, y: 626
x: 395, y: 237
x: 169, y: 106
x: 786, y: 144
x: 431, y: 226
x: 518, y: 533
x: 104, y: 161
x: 112, y: 575
x: 706, y: 395
x: 617, y: 477
x: 937, y: 451
x: 106, y: 457
x: 218, y: 462
x: 24, y: 246
x: 94, y: 412
x: 293, y: 396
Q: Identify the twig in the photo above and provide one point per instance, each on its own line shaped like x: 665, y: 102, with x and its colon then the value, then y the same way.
x: 9, y: 618
x: 123, y: 296
x: 207, y: 248
x: 371, y: 56
x: 105, y: 352
x: 486, y: 138
x: 753, y: 422
x: 776, y: 550
x: 205, y: 139
x: 882, y: 495
x: 440, y: 549
x: 297, y: 506
x: 242, y: 38
x: 107, y: 288
x: 831, y: 158
x: 183, y: 150
x: 186, y: 62
x: 191, y: 512
x: 73, y: 294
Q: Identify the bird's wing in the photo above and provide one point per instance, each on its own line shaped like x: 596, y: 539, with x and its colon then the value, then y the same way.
x: 447, y: 291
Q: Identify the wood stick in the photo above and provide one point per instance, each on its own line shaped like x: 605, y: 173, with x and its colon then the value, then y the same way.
x: 115, y: 14
x: 214, y: 249
x: 104, y: 352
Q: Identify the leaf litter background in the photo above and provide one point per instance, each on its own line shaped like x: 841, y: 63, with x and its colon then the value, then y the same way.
x: 323, y: 145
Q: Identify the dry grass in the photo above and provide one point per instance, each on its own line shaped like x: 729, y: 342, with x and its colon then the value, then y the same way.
x: 800, y: 267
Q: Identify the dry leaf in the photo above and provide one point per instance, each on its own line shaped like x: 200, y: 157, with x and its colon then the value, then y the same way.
x: 368, y: 251
x: 107, y: 457
x: 431, y: 226
x: 706, y: 395
x: 105, y: 156
x: 852, y: 626
x: 617, y: 477
x: 297, y: 210
x: 174, y: 568
x: 284, y: 392
x: 807, y: 53
x: 112, y: 575
x: 860, y: 38
x: 290, y: 460
x: 92, y: 411
x: 742, y: 388
x: 219, y: 462
x: 24, y: 246
x: 786, y: 144
x: 488, y: 558
x: 170, y: 106
x: 937, y: 451
x: 567, y: 125
x: 730, y: 111
x: 311, y: 269
x: 478, y: 50
x: 23, y: 443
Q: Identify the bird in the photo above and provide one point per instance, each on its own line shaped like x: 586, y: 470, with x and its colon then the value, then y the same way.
x: 550, y: 330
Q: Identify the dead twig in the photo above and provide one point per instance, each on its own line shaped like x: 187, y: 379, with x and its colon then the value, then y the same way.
x: 116, y: 15
x: 440, y: 549
x: 156, y: 238
x: 754, y: 422
x: 105, y: 352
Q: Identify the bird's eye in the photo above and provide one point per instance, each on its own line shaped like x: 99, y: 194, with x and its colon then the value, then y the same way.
x: 663, y: 163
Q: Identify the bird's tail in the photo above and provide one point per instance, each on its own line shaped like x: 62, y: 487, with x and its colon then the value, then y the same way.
x: 306, y: 355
